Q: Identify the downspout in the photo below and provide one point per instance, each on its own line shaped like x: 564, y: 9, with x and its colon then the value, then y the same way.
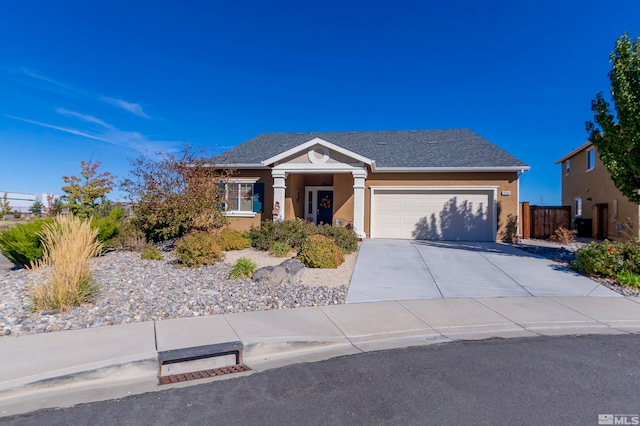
x: 520, y: 173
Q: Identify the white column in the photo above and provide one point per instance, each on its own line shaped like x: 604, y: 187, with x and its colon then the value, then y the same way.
x: 359, y: 177
x: 278, y: 194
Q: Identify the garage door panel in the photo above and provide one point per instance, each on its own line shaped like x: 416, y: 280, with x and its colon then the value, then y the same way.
x: 433, y: 215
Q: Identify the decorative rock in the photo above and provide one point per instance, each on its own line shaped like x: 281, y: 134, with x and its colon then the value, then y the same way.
x: 288, y: 272
x: 130, y: 287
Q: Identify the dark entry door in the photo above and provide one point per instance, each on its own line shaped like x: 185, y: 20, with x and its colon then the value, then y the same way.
x: 600, y: 224
x: 324, y: 214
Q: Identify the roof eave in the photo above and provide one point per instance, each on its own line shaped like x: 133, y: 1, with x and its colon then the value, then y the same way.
x: 242, y: 166
x: 453, y: 169
x: 574, y: 152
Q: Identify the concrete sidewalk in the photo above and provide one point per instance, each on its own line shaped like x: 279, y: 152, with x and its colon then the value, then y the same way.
x: 70, y: 367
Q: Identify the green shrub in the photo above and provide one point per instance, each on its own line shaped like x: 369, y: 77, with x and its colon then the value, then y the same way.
x: 345, y: 238
x: 21, y: 244
x: 151, y: 253
x: 280, y: 249
x: 108, y: 229
x: 295, y: 232
x: 629, y: 279
x: 198, y: 248
x: 608, y: 259
x: 230, y: 239
x: 318, y: 251
x: 243, y: 269
x: 130, y: 237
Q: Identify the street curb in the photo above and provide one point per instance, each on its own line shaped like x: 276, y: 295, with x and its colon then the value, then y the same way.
x: 128, y: 362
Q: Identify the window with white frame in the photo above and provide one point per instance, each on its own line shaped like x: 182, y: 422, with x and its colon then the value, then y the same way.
x: 591, y: 159
x: 568, y: 167
x: 242, y: 196
x: 578, y: 207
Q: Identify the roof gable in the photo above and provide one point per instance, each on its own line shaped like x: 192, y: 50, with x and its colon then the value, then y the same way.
x: 312, y: 145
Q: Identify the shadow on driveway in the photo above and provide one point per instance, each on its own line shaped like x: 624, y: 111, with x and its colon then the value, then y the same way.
x: 410, y: 269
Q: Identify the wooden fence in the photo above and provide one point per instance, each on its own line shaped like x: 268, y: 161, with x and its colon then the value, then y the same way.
x: 541, y: 221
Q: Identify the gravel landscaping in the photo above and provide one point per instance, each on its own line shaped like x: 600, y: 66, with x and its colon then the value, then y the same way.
x: 133, y: 290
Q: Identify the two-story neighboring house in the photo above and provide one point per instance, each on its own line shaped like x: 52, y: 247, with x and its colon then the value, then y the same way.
x: 588, y: 188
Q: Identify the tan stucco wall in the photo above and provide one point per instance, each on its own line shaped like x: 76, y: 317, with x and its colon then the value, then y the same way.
x: 597, y: 185
x: 343, y: 191
x: 343, y: 196
x: 294, y: 196
x: 507, y: 181
x: 244, y: 223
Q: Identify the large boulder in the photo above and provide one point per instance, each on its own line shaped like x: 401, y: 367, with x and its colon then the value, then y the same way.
x: 288, y: 272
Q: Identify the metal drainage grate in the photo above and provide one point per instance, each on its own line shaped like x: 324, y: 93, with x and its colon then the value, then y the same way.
x: 204, y: 374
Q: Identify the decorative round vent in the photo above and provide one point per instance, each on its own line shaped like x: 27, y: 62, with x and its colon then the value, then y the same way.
x: 318, y: 155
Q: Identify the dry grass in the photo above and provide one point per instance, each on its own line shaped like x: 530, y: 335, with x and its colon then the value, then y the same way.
x: 69, y: 243
x: 564, y: 236
x: 627, y: 230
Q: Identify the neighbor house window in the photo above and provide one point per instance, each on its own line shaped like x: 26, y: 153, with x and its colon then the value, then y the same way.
x: 242, y: 197
x: 578, y: 207
x: 591, y: 159
x: 568, y: 167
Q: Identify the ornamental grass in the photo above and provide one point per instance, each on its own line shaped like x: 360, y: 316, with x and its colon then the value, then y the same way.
x: 69, y: 242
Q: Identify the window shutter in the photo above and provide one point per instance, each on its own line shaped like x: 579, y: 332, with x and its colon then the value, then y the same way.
x: 258, y: 197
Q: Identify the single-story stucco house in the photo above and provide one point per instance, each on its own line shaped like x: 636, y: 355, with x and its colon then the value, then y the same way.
x: 408, y: 184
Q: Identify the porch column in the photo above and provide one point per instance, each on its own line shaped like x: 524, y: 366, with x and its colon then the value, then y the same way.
x: 279, y: 186
x: 359, y: 177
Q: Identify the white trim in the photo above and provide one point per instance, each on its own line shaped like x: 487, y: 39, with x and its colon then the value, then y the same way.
x: 316, y: 141
x: 574, y: 152
x: 436, y: 188
x: 241, y: 180
x: 319, y: 168
x: 239, y: 213
x: 451, y: 169
x: 518, y: 218
x: 492, y: 189
x: 238, y: 166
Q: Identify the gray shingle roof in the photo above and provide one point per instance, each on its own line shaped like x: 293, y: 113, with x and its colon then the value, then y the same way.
x: 394, y: 148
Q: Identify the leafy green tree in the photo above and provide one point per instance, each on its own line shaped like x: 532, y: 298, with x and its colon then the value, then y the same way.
x: 36, y: 208
x: 175, y: 194
x: 85, y: 193
x: 617, y: 138
x: 5, y: 207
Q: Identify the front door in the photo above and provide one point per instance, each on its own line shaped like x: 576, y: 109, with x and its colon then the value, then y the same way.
x: 324, y: 212
x: 600, y: 219
x: 319, y: 204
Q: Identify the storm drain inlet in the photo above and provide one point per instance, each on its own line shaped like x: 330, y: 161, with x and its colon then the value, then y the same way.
x: 204, y: 374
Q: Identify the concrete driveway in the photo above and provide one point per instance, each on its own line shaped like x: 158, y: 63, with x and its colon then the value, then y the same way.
x: 409, y: 269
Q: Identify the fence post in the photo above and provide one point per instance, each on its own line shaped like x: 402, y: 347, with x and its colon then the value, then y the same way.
x: 525, y: 220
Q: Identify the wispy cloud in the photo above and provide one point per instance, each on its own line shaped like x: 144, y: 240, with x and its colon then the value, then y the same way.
x: 85, y: 117
x: 112, y: 135
x: 70, y: 90
x: 127, y: 106
x: 61, y: 128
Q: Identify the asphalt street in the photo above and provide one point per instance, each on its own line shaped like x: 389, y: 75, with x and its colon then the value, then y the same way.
x: 527, y: 381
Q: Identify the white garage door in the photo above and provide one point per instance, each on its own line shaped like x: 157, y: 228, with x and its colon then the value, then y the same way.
x: 464, y: 215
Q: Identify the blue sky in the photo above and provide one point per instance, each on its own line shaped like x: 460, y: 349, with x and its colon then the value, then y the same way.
x: 106, y: 81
